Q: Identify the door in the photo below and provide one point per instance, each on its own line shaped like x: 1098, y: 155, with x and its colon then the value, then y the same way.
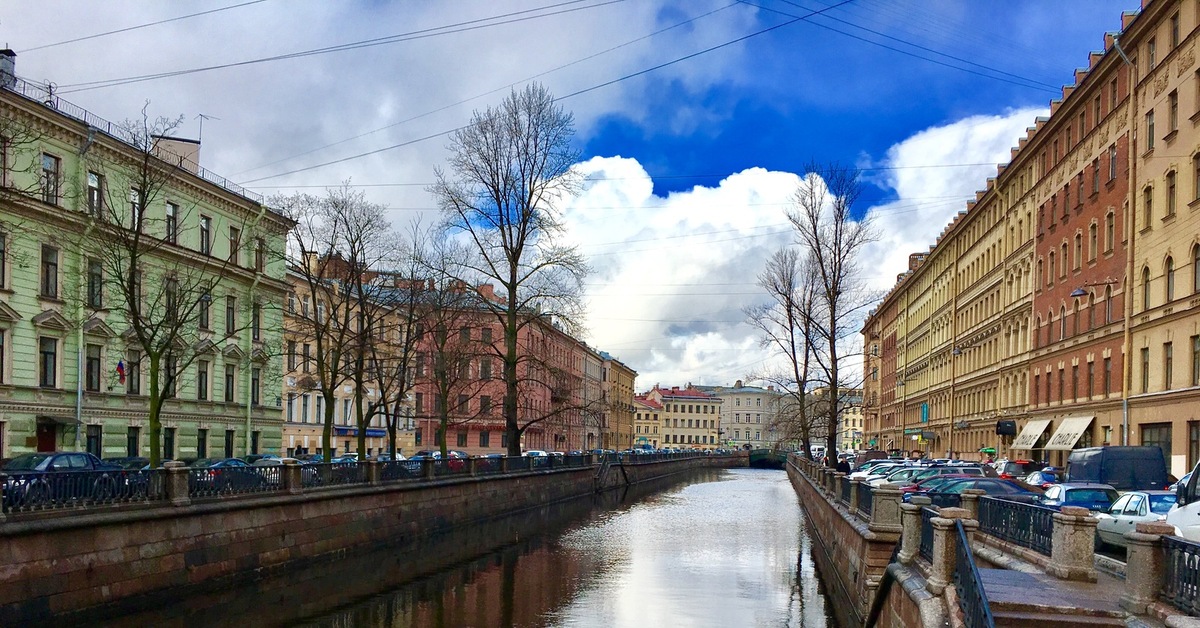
x: 47, y: 436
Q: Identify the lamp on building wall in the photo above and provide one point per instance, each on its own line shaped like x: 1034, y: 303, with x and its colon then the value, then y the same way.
x: 1080, y: 292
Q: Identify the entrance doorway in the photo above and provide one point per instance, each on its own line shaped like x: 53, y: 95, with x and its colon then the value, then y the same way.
x: 47, y: 436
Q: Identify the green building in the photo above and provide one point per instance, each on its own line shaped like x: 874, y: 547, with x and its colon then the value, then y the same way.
x: 129, y: 274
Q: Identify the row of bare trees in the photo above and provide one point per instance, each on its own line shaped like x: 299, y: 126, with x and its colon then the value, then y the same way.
x: 815, y: 307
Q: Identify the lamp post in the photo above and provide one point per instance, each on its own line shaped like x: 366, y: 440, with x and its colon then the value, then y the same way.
x: 1126, y: 348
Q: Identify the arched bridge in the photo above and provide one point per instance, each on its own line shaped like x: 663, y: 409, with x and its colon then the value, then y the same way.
x: 767, y: 459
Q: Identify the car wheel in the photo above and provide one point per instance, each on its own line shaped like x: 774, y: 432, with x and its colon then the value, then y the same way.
x: 104, y: 489
x: 37, y: 494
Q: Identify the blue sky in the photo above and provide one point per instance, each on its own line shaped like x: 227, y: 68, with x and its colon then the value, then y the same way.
x: 692, y: 164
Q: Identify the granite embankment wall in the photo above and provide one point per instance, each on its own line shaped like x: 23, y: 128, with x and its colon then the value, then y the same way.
x: 61, y: 565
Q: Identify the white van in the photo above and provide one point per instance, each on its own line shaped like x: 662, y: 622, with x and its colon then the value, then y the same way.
x: 1185, y: 514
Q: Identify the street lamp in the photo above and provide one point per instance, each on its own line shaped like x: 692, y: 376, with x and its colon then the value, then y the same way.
x: 1080, y: 292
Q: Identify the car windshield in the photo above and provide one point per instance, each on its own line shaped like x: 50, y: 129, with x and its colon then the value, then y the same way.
x: 1160, y: 504
x: 1086, y: 495
x: 1021, y: 467
x: 28, y: 462
x: 206, y: 462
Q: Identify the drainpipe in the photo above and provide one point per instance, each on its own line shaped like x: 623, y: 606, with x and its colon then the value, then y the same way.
x: 1130, y: 233
x: 81, y: 288
x: 262, y: 210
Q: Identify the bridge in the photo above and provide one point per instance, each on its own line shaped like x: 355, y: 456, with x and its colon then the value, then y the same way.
x: 767, y: 459
x: 981, y: 561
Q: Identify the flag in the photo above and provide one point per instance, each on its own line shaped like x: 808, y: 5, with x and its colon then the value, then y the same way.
x: 121, y: 371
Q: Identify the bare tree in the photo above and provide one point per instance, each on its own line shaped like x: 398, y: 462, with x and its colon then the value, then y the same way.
x: 508, y: 168
x: 831, y: 239
x: 339, y: 240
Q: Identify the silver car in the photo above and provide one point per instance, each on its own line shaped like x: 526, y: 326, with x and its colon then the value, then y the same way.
x: 1129, y: 510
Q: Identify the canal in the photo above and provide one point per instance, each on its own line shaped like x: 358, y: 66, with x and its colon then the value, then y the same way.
x: 712, y: 548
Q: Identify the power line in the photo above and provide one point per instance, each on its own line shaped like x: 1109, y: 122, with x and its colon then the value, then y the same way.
x: 460, y: 27
x: 139, y: 26
x: 582, y: 91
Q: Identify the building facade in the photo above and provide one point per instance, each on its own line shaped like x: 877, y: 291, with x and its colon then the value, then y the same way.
x: 747, y: 415
x: 75, y: 375
x: 690, y: 417
x: 620, y: 424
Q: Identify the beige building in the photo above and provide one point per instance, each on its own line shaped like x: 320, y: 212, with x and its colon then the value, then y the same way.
x: 690, y: 416
x: 647, y: 420
x: 620, y: 411
x: 748, y: 415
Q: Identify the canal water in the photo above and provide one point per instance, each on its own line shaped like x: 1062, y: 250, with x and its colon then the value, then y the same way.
x: 711, y: 548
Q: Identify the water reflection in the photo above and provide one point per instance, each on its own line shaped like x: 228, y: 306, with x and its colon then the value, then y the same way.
x: 714, y: 548
x: 726, y: 548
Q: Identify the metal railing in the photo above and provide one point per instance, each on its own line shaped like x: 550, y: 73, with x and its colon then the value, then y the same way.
x: 866, y: 499
x: 333, y: 474
x: 1181, y: 574
x: 1027, y: 525
x: 396, y: 470
x: 926, y: 547
x: 27, y: 492
x: 218, y: 481
x: 844, y: 483
x: 972, y: 599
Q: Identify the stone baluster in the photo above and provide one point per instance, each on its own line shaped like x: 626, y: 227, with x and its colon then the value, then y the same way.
x: 471, y: 467
x: 373, y: 472
x: 910, y: 536
x: 1145, y: 565
x: 970, y: 502
x: 177, y: 483
x: 885, y: 512
x: 945, y: 541
x: 292, y: 476
x: 854, y: 485
x: 1072, y: 546
x: 427, y: 470
x: 837, y: 486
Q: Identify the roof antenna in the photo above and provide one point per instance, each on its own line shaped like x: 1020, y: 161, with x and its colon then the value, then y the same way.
x: 200, y: 137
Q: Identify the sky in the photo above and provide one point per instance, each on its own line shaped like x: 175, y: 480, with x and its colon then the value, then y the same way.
x: 694, y: 119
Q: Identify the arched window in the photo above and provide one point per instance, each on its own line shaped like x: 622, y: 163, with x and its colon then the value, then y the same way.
x: 1145, y: 288
x: 1063, y: 262
x: 1037, y: 333
x: 1093, y: 243
x: 1169, y: 270
x: 1050, y: 271
x: 1108, y: 305
x: 1196, y: 268
x: 1075, y: 315
x: 1091, y: 310
x: 1078, y: 251
x: 1039, y: 274
x: 1062, y: 322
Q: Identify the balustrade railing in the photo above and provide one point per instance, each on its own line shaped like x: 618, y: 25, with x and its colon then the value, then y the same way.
x: 218, y: 481
x: 926, y: 547
x: 1027, y: 525
x: 845, y: 489
x: 395, y: 470
x: 1181, y: 574
x: 972, y: 599
x: 27, y: 492
x: 866, y: 499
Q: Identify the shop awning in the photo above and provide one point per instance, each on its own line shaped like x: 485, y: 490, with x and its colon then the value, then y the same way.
x: 1030, y: 435
x: 1068, y: 433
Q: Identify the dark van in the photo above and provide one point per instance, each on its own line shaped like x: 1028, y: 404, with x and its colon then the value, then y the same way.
x: 1124, y: 468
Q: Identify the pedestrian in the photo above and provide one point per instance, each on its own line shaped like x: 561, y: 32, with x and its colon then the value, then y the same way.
x: 843, y: 466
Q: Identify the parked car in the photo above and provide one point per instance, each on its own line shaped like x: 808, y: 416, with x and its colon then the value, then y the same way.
x: 252, y: 458
x: 225, y: 474
x: 129, y: 462
x: 1011, y: 469
x: 1133, y: 468
x: 1094, y: 496
x: 42, y: 478
x: 950, y: 493
x: 535, y: 453
x: 1129, y: 510
x: 954, y: 469
x: 929, y: 484
x: 1045, y: 478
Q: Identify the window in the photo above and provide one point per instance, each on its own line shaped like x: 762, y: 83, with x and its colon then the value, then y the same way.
x: 485, y: 368
x: 1112, y: 162
x: 1175, y: 32
x: 95, y: 194
x: 3, y: 259
x: 1173, y: 112
x: 47, y: 362
x: 171, y: 375
x: 1091, y: 379
x: 171, y: 291
x: 235, y: 239
x: 133, y: 441
x: 1145, y: 288
x: 1108, y: 301
x: 255, y: 381
x: 485, y: 404
x: 1158, y: 434
x: 230, y: 315
x: 1078, y: 258
x: 1170, y: 194
x: 419, y: 403
x: 1145, y: 352
x: 202, y: 367
x: 230, y: 378
x: 1107, y: 376
x: 304, y: 403
x: 256, y: 322
x: 291, y: 355
x: 485, y: 439
x: 1151, y: 53
x: 49, y: 283
x: 1110, y: 231
x: 1195, y: 361
x: 229, y: 436
x: 1112, y: 95
x: 135, y: 209
x: 1093, y: 241
x: 260, y: 254
x: 168, y: 443
x: 485, y: 334
x: 1062, y: 325
x: 95, y: 285
x: 133, y: 379
x: 95, y: 440
x: 1196, y: 180
x: 1169, y: 272
x: 1196, y: 268
x: 205, y: 235
x: 1168, y: 365
x: 254, y: 438
x: 51, y: 169
x: 1147, y: 206
x: 172, y: 223
x: 3, y: 350
x: 205, y: 310
x: 92, y: 368
x: 1095, y: 176
x: 462, y: 439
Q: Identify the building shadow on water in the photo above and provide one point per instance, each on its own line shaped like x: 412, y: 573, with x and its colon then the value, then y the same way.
x: 467, y: 577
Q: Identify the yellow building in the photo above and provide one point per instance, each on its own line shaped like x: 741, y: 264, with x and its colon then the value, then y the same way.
x: 690, y: 417
x: 647, y: 414
x: 620, y: 412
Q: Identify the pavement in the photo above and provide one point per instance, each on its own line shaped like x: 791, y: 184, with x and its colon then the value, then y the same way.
x: 1040, y: 599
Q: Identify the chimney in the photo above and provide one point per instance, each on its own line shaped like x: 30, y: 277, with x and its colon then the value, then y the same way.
x: 175, y: 150
x: 487, y: 291
x: 737, y: 384
x: 8, y: 68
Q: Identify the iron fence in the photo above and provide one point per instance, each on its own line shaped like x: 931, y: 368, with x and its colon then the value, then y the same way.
x: 866, y: 499
x: 845, y: 486
x: 394, y: 470
x: 972, y: 599
x: 926, y: 548
x: 27, y: 492
x: 1027, y: 525
x: 1181, y: 575
x: 218, y: 481
x: 332, y: 474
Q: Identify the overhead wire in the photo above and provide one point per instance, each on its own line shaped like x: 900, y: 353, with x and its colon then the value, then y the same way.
x: 139, y: 26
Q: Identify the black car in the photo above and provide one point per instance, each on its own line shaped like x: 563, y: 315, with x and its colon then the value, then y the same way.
x: 129, y: 462
x: 217, y: 475
x: 950, y: 493
x: 47, y: 478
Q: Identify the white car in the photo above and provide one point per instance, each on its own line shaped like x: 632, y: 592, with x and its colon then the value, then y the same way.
x: 1129, y: 510
x: 879, y: 468
x: 535, y: 453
